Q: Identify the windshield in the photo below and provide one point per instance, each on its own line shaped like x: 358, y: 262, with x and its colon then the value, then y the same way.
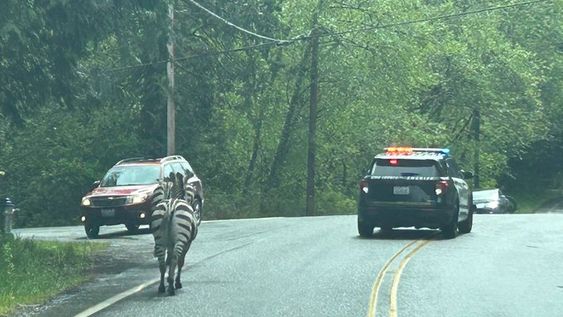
x: 131, y: 175
x: 402, y: 167
x: 486, y: 194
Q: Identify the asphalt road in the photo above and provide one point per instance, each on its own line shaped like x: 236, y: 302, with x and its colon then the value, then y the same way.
x: 510, y: 265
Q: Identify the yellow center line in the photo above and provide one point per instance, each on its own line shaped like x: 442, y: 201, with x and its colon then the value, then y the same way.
x: 377, y: 284
x: 397, y: 278
x: 372, y: 309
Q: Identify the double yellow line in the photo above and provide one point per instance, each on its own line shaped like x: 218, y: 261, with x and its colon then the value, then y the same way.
x: 418, y: 244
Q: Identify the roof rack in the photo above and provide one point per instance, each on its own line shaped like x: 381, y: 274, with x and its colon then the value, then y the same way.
x: 171, y: 158
x: 132, y: 159
x: 142, y: 158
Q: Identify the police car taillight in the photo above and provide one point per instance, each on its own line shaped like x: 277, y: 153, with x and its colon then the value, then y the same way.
x: 364, y: 186
x: 441, y: 187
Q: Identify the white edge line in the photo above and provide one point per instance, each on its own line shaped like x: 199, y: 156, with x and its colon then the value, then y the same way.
x: 242, y: 219
x: 112, y: 300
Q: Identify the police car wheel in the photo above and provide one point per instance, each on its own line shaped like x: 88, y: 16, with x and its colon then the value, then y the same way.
x: 365, y: 230
x: 466, y: 225
x: 450, y: 230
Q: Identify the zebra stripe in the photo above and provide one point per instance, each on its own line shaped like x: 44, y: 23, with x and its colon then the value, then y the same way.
x: 174, y: 227
x: 157, y: 196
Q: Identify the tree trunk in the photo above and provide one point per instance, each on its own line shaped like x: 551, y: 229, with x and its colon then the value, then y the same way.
x: 283, y: 145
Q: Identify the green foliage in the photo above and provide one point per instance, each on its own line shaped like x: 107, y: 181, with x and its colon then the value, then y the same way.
x: 335, y: 203
x: 32, y: 271
x: 55, y: 158
x: 96, y: 71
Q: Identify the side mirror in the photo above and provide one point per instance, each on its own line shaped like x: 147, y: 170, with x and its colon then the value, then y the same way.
x: 94, y: 185
x: 466, y: 175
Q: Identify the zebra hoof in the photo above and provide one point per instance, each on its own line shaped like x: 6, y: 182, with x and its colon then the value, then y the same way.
x: 178, y: 285
x: 171, y: 292
x: 161, y: 289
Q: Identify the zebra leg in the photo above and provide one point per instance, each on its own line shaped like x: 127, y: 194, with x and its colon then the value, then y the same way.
x: 181, y: 261
x: 171, y: 268
x: 160, y: 253
x: 162, y: 267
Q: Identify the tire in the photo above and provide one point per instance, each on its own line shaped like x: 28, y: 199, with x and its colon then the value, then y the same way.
x: 198, y: 210
x: 466, y: 225
x: 450, y: 230
x: 365, y: 230
x: 91, y: 230
x: 132, y: 227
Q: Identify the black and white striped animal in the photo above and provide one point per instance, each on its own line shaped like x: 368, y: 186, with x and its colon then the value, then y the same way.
x: 174, y: 227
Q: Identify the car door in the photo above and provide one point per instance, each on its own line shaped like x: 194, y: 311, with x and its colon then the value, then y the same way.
x: 193, y: 180
x: 168, y: 174
x: 461, y: 186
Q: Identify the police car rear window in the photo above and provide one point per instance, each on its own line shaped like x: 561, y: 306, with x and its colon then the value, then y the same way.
x: 405, y: 168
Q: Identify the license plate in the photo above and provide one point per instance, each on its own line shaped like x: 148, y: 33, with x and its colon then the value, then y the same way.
x: 108, y: 212
x: 400, y: 190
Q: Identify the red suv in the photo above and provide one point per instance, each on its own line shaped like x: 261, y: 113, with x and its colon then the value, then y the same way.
x: 124, y: 195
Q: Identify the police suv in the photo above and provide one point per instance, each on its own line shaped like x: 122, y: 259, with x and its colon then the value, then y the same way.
x: 420, y: 187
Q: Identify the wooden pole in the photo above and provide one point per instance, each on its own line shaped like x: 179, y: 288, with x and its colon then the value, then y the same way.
x: 312, y: 141
x: 170, y: 105
x: 476, y: 138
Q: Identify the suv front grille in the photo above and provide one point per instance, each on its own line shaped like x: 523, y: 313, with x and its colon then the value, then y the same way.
x: 109, y: 201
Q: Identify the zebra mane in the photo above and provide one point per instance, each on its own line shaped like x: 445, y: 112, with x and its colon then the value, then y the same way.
x: 173, y: 186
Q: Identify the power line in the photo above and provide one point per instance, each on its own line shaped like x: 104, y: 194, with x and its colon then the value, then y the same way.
x: 234, y: 50
x: 238, y: 27
x: 440, y: 17
x: 277, y: 42
x: 203, y: 54
x: 117, y: 69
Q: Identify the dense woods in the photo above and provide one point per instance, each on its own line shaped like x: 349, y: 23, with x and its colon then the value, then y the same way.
x: 83, y: 84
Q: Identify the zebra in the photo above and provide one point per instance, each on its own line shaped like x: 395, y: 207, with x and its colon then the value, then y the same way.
x: 174, y: 227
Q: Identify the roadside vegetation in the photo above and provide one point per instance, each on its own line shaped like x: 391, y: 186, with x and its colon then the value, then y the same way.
x: 84, y: 85
x: 33, y: 271
x: 531, y: 201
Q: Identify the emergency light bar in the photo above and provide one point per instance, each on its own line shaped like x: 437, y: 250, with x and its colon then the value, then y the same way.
x: 411, y: 150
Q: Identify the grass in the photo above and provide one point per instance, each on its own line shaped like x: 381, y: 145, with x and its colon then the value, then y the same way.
x: 530, y: 201
x: 33, y: 271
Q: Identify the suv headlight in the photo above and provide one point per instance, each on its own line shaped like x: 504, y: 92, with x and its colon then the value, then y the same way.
x: 136, y: 199
x: 85, y: 201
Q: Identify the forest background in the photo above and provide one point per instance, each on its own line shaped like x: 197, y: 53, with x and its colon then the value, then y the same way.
x: 83, y: 84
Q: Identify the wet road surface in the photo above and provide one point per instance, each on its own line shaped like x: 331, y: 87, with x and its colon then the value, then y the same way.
x: 510, y: 265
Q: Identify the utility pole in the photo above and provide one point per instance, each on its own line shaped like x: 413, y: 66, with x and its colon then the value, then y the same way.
x: 312, y: 142
x: 476, y: 138
x: 170, y: 104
